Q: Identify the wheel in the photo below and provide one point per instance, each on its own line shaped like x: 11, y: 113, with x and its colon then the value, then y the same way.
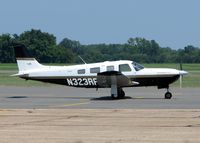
x: 121, y: 93
x: 168, y: 95
x: 114, y: 96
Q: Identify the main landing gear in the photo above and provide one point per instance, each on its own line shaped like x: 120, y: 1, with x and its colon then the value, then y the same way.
x: 119, y: 94
x: 168, y: 95
x: 116, y: 91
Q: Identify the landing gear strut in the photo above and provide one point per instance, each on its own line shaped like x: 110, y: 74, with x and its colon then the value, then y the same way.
x: 119, y: 95
x: 168, y: 95
x: 116, y: 91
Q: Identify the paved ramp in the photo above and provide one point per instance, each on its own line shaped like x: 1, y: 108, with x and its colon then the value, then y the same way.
x: 68, y: 97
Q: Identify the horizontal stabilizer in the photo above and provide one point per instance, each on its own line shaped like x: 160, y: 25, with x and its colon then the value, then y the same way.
x: 20, y: 75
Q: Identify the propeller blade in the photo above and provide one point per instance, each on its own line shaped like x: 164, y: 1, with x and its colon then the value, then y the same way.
x: 181, y: 78
x: 181, y: 74
x: 181, y: 67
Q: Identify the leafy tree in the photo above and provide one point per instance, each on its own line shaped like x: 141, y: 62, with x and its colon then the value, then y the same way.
x: 58, y: 54
x: 189, y: 54
x: 38, y: 42
x: 74, y: 46
x: 6, y: 51
x: 43, y: 46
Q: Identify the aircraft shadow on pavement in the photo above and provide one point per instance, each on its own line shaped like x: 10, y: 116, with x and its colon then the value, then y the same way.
x: 46, y: 97
x: 147, y: 98
x: 17, y: 97
x: 71, y: 97
x: 104, y: 98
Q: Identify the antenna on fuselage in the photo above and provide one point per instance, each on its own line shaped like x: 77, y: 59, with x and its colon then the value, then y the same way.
x: 82, y: 59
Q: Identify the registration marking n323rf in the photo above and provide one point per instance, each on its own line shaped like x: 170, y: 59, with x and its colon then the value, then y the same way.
x: 81, y: 81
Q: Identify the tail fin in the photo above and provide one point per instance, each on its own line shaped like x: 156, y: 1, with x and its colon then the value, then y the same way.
x: 21, y: 51
x: 24, y: 60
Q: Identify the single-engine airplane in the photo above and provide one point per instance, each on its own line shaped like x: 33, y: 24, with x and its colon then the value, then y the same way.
x: 109, y: 74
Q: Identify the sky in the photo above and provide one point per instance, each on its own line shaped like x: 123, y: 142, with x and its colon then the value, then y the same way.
x: 171, y: 23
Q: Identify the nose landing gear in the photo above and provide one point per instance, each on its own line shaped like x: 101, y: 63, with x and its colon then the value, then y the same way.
x: 168, y: 95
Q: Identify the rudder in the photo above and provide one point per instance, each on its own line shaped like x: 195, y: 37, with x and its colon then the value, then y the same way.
x: 24, y: 60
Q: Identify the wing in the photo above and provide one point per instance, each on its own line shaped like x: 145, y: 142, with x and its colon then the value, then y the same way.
x: 105, y: 79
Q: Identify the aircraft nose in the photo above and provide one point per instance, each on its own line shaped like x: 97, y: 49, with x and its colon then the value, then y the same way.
x: 181, y: 72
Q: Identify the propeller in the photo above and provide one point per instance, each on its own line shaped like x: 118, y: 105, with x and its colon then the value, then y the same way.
x: 181, y: 75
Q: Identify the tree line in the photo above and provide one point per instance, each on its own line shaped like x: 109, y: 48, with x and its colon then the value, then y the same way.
x: 44, y: 48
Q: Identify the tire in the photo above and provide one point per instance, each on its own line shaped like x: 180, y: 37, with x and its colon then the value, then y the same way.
x: 121, y: 93
x: 114, y: 96
x: 168, y: 95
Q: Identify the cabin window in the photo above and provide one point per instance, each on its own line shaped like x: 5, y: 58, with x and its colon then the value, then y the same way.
x: 95, y: 70
x: 82, y: 71
x: 110, y: 68
x: 124, y: 68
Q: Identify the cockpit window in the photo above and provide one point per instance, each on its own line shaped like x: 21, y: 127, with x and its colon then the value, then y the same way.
x: 137, y: 66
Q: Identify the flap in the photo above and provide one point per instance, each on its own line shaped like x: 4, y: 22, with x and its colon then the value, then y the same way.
x: 104, y: 79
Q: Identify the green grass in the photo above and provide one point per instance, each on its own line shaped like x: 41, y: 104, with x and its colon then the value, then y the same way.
x: 9, y: 69
x: 190, y: 80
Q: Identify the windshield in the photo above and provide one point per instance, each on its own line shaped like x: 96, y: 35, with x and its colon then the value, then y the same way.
x: 137, y: 66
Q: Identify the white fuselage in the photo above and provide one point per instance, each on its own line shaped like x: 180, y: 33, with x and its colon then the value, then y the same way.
x: 85, y: 75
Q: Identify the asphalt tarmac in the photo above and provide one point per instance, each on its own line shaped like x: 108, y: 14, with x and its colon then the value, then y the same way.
x: 73, y: 115
x: 56, y: 97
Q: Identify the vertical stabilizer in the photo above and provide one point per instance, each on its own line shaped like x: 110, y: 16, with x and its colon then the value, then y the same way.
x: 24, y: 60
